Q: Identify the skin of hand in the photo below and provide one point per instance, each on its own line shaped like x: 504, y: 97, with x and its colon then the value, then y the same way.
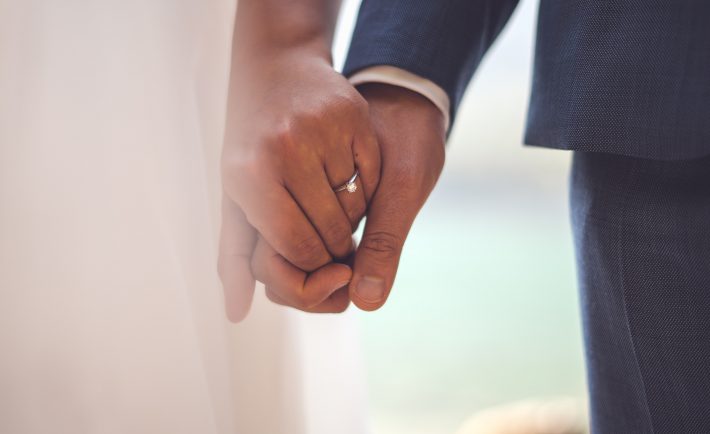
x: 411, y: 133
x: 295, y: 129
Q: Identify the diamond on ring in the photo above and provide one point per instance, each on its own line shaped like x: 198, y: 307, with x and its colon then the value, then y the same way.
x: 350, y: 186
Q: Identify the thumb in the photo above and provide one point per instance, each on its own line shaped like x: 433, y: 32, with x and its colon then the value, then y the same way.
x: 236, y: 245
x: 390, y: 216
x: 410, y: 132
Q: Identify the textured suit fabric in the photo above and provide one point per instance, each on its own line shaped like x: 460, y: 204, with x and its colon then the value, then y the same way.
x: 624, y: 76
x: 642, y: 233
x: 627, y: 77
x: 441, y: 40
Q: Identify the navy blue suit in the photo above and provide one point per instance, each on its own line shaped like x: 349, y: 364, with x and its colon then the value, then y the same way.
x: 626, y: 85
x: 620, y: 76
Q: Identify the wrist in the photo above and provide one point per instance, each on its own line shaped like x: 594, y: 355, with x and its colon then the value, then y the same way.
x: 267, y: 28
x: 257, y: 68
x: 409, y: 107
x: 257, y: 50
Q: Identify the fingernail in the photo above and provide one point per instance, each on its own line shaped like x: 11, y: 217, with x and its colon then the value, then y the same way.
x: 371, y: 289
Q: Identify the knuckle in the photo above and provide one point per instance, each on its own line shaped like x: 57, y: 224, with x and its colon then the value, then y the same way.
x: 339, y: 308
x: 337, y: 234
x: 284, y: 132
x: 356, y: 213
x: 309, y: 252
x: 349, y: 102
x: 339, y: 301
x: 303, y: 301
x: 300, y: 298
x: 383, y: 246
x: 295, y: 298
x: 271, y: 295
x: 292, y: 140
x: 358, y: 104
x: 239, y: 173
x: 285, y: 138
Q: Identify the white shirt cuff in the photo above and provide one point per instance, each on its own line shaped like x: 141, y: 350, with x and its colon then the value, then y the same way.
x: 399, y: 77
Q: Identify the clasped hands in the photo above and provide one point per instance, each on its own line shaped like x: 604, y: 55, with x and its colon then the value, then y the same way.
x: 296, y: 130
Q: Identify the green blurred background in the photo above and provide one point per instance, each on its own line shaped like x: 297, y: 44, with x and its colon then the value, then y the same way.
x: 484, y: 310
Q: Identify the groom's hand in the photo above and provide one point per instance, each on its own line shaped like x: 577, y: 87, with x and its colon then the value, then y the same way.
x: 411, y: 134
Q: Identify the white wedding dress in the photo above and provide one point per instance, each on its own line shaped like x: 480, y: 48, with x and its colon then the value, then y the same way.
x: 111, y: 317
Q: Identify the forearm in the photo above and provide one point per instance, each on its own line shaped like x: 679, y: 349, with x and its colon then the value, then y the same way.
x: 266, y: 26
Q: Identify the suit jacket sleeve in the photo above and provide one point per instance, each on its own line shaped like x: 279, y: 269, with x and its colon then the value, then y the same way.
x: 440, y: 40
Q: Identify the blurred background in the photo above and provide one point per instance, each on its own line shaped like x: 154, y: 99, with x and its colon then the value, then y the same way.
x: 484, y: 310
x: 111, y: 124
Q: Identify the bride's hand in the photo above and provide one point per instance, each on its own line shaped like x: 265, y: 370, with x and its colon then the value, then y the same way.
x: 296, y: 130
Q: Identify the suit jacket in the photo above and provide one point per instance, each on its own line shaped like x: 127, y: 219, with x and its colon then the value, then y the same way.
x: 627, y: 77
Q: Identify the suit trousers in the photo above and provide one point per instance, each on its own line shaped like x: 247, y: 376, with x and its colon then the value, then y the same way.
x: 642, y: 236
